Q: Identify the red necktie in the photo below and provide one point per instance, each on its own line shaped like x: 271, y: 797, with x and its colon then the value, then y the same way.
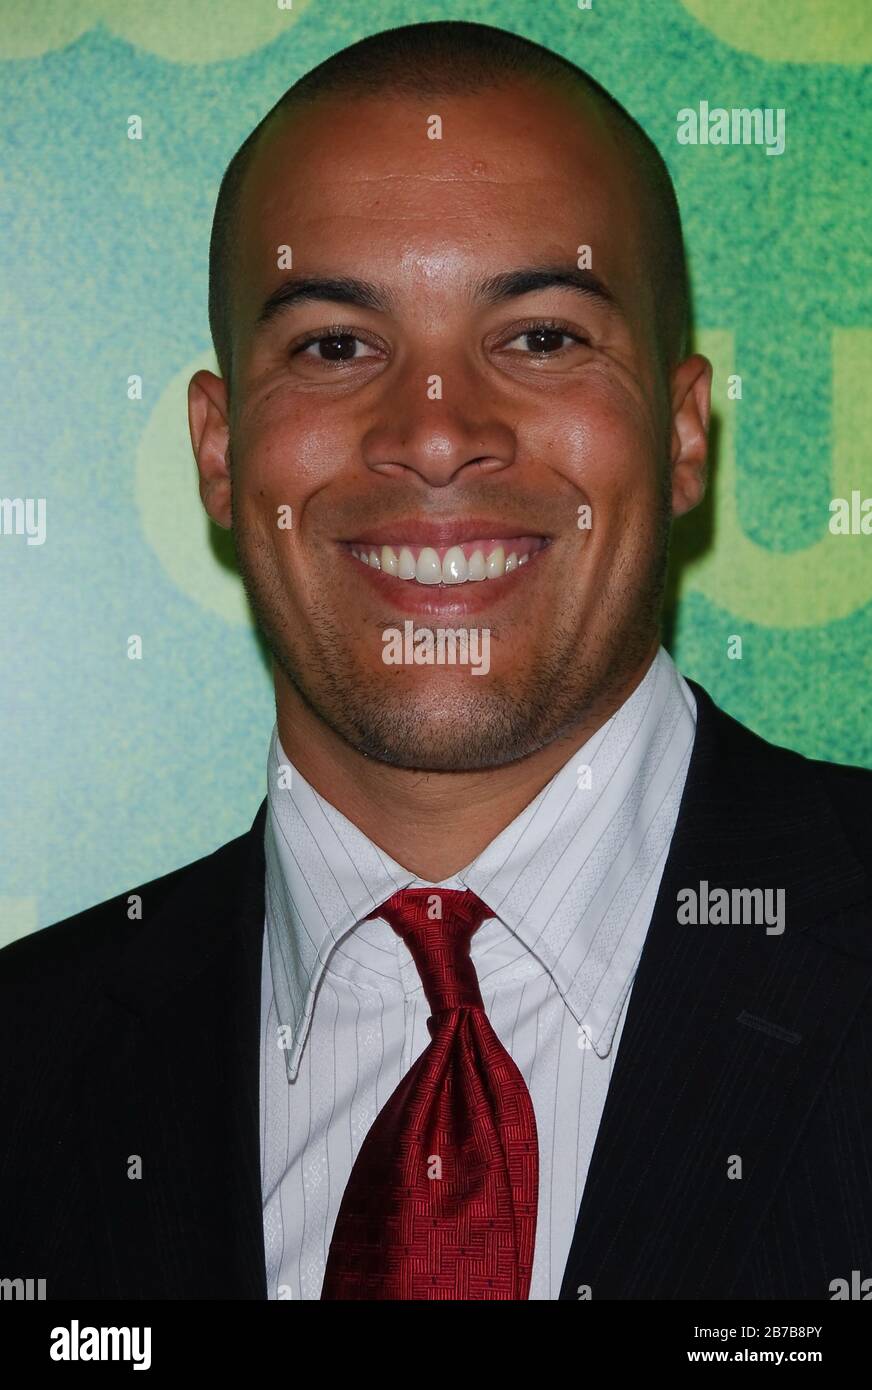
x: 442, y: 1198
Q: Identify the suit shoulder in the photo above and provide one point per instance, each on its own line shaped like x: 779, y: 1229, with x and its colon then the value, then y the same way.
x: 845, y: 788
x: 809, y: 786
x: 88, y: 940
x: 849, y: 792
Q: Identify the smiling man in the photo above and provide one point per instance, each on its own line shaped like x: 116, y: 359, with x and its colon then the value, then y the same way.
x: 449, y: 1021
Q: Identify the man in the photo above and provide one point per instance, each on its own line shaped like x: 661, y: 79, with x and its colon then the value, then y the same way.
x: 536, y: 975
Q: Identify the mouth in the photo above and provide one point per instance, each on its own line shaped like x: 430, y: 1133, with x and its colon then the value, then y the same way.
x: 477, y: 560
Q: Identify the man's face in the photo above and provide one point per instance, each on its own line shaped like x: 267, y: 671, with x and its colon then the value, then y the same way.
x: 443, y: 420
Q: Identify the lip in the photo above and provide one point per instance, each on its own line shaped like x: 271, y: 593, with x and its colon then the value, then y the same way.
x: 437, y: 600
x: 443, y: 533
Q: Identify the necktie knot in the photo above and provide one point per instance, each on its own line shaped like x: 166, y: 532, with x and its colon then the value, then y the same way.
x: 437, y: 926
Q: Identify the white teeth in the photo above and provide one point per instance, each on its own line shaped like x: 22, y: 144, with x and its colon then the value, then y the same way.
x: 454, y: 566
x: 428, y: 569
x: 389, y: 562
x: 476, y: 569
x: 496, y: 563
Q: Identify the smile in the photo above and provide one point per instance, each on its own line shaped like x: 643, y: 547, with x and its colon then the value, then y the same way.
x: 466, y: 563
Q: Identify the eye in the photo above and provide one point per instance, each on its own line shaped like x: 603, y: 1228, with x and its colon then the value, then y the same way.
x: 544, y: 339
x: 333, y: 347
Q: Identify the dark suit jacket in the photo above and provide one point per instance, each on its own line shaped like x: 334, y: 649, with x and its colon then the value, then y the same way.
x: 125, y: 1038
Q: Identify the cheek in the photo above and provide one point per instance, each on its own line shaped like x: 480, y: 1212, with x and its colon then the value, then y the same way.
x: 602, y: 444
x: 601, y: 440
x: 281, y: 466
x: 293, y: 443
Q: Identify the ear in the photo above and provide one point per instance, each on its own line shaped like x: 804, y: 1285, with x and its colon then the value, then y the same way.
x: 691, y: 412
x: 210, y: 438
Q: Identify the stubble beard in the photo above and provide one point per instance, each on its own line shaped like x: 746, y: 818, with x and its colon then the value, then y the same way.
x: 458, y: 724
x: 466, y: 723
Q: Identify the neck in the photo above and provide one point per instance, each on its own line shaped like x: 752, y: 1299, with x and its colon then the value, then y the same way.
x: 432, y: 823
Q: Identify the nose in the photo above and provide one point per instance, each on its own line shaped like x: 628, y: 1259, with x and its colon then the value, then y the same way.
x: 436, y: 426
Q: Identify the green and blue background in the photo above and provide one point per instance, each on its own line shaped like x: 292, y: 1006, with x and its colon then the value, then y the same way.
x: 115, y: 771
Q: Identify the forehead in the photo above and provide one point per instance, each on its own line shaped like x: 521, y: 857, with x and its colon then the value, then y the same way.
x: 361, y: 185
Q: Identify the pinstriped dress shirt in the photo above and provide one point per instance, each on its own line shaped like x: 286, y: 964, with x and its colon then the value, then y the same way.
x: 572, y: 882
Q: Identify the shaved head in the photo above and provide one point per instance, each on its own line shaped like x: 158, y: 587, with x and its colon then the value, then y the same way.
x: 456, y: 58
x: 478, y: 334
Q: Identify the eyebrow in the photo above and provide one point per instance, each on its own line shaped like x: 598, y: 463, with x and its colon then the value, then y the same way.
x: 493, y: 289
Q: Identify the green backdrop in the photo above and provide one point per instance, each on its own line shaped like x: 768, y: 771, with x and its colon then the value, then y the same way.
x: 115, y: 771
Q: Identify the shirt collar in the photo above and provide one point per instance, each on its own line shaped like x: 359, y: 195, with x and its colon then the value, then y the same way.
x: 565, y: 875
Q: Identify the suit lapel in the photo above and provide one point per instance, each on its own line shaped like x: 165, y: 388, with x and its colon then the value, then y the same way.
x: 183, y: 1089
x: 730, y: 1031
